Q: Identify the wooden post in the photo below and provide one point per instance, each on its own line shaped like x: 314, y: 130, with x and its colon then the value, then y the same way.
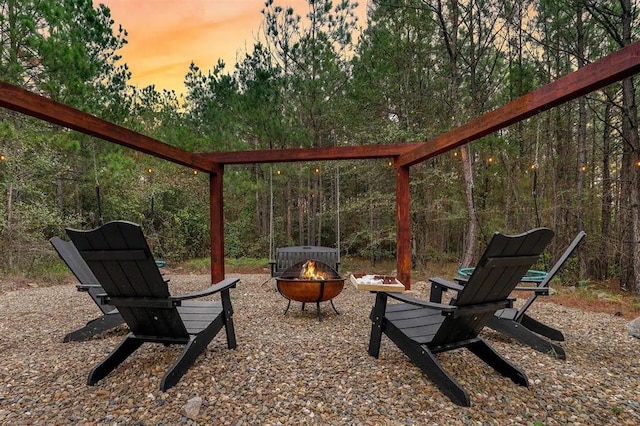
x: 217, y: 224
x: 403, y: 237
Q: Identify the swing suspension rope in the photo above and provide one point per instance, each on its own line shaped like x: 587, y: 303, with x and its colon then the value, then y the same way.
x: 271, y: 243
x: 534, y: 189
x: 338, y: 211
x: 97, y: 185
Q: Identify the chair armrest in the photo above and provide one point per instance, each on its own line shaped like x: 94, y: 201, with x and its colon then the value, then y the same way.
x: 172, y: 301
x: 438, y: 285
x: 447, y: 285
x: 221, y: 286
x: 544, y: 291
x: 452, y: 310
x: 87, y: 287
x: 413, y: 301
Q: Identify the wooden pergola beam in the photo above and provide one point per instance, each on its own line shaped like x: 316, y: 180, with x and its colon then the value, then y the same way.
x: 288, y: 155
x: 619, y: 65
x: 25, y: 102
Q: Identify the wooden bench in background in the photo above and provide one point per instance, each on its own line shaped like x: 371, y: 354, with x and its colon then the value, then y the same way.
x: 288, y: 256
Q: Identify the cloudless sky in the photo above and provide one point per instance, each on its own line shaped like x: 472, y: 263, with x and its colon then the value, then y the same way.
x: 165, y: 36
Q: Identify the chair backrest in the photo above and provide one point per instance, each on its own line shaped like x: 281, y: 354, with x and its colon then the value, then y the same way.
x: 71, y: 257
x: 501, y: 267
x: 552, y: 272
x: 120, y: 258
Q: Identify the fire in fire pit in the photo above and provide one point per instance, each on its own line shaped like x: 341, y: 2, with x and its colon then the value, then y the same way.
x: 310, y: 272
x: 310, y: 281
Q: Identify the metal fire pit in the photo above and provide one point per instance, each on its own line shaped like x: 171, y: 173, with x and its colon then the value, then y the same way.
x: 293, y: 286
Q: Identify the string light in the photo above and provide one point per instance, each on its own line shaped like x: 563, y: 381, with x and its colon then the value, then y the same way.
x: 455, y: 153
x: 278, y: 172
x: 583, y: 168
x: 637, y: 163
x: 534, y: 166
x: 490, y: 160
x: 390, y: 163
x: 149, y: 170
x: 317, y: 170
x: 195, y: 172
x: 2, y: 157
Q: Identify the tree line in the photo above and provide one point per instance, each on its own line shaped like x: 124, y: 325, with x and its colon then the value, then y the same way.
x: 316, y: 78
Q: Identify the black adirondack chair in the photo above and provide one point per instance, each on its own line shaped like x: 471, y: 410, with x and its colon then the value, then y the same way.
x: 421, y: 329
x: 118, y: 255
x: 520, y: 326
x: 88, y: 282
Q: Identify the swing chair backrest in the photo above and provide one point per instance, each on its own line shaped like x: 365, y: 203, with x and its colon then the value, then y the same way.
x: 289, y: 256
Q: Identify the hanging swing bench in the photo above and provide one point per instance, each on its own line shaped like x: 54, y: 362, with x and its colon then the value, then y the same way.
x: 286, y: 257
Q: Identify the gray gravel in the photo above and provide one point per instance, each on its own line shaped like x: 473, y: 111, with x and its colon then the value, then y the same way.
x: 295, y: 370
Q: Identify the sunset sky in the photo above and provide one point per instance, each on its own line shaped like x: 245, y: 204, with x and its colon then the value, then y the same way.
x: 166, y: 35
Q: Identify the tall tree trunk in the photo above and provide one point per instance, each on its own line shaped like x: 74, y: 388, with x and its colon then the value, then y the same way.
x: 581, y: 137
x: 472, y: 224
x: 607, y: 195
x: 630, y: 278
x: 630, y: 208
x: 450, y: 34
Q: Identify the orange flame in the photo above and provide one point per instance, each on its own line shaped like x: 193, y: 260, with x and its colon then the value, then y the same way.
x: 309, y: 271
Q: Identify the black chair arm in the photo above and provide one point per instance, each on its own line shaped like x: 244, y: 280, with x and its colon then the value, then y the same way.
x: 544, y: 291
x: 222, y: 285
x: 438, y: 285
x: 87, y: 287
x: 413, y: 301
x: 447, y: 285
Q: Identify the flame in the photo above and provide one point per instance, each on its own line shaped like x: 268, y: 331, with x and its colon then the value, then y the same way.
x: 309, y: 271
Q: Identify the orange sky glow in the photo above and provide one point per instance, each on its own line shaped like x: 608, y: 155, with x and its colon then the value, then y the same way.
x: 165, y: 36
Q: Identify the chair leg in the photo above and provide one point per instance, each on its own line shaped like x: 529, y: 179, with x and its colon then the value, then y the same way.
x: 426, y: 360
x: 377, y: 317
x: 522, y: 334
x: 115, y: 358
x: 540, y: 328
x: 94, y: 327
x: 430, y: 365
x: 227, y: 316
x: 486, y: 353
x: 195, y: 346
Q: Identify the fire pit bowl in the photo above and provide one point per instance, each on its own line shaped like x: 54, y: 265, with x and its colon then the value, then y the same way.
x: 310, y: 281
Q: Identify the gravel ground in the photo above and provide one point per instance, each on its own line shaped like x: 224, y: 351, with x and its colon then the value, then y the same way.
x: 295, y: 370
